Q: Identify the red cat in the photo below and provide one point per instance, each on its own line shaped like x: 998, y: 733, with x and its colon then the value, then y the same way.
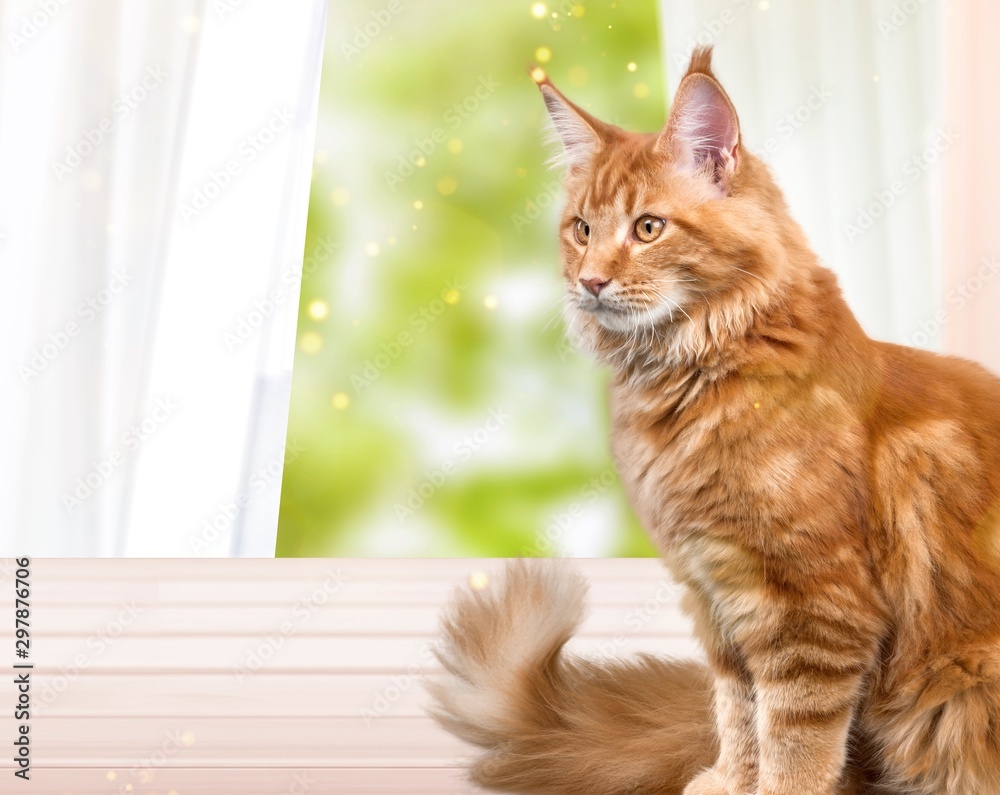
x: 830, y: 503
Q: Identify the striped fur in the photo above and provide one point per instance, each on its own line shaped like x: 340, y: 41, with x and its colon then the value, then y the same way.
x: 831, y: 503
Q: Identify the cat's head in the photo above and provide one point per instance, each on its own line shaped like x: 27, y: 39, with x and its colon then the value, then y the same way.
x: 670, y: 241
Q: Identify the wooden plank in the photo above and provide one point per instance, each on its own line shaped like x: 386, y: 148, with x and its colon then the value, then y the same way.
x: 274, y: 653
x: 123, y: 743
x: 249, y: 781
x: 325, y: 589
x: 259, y: 569
x: 208, y: 695
x: 652, y: 617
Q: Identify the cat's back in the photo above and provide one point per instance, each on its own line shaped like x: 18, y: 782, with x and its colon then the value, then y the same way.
x: 934, y: 432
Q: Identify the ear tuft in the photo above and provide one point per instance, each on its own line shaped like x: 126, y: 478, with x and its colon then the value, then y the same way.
x: 701, y: 61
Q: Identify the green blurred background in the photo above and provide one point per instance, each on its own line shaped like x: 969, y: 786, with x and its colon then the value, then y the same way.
x: 440, y: 409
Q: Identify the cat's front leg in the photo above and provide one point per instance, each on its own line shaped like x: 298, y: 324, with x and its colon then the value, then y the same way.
x: 735, y: 770
x: 808, y: 664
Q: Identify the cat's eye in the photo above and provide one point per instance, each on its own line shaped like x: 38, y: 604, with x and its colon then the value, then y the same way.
x: 581, y: 231
x: 648, y: 228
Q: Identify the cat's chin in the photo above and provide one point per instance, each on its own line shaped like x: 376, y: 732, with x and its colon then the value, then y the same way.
x: 626, y: 321
x: 603, y: 333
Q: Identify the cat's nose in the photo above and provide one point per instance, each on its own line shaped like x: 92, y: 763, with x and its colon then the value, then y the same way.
x: 595, y: 285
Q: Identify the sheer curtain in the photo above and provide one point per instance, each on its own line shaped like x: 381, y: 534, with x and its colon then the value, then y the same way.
x: 845, y: 102
x: 155, y: 161
x: 970, y: 307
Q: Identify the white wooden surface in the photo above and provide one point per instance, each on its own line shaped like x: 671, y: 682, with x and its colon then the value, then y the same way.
x: 263, y: 677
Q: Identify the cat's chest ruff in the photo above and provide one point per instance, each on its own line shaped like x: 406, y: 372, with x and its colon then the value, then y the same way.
x: 697, y: 468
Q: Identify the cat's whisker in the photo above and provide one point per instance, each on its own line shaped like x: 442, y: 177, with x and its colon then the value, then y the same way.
x: 563, y: 299
x: 758, y: 278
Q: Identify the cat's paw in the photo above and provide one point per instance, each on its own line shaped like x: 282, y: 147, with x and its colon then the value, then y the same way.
x: 709, y: 782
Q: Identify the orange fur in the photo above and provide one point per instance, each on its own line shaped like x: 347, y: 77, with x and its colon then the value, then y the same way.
x: 831, y: 503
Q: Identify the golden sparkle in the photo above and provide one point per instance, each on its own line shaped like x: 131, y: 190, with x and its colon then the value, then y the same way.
x: 538, y: 10
x: 543, y: 55
x: 318, y: 310
x: 452, y: 297
x: 478, y: 580
x: 490, y: 302
x: 455, y: 145
x: 632, y: 66
x: 340, y: 401
x: 447, y: 185
x: 641, y: 90
x: 538, y: 74
x: 311, y: 343
x: 418, y: 205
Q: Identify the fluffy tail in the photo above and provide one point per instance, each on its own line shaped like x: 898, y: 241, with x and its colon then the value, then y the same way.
x: 553, y: 724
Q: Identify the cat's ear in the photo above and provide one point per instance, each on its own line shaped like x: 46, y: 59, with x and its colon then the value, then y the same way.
x: 578, y: 134
x: 703, y: 130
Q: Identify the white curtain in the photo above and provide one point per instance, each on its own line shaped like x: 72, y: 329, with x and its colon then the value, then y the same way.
x: 844, y: 101
x: 155, y: 161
